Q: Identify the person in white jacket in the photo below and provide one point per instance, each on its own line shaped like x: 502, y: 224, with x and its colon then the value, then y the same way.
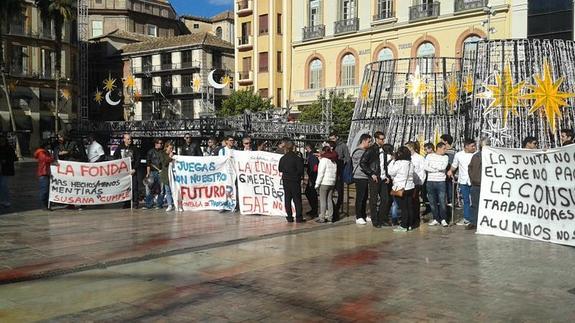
x: 419, y: 176
x: 436, y: 166
x: 402, y: 172
x: 325, y: 183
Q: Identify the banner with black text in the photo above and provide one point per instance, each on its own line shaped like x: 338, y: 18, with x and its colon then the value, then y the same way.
x: 528, y: 194
x: 91, y: 183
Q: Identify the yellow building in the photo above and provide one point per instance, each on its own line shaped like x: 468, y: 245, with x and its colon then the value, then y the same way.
x: 262, y: 47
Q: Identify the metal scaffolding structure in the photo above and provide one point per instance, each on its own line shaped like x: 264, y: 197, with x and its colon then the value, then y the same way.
x: 83, y: 95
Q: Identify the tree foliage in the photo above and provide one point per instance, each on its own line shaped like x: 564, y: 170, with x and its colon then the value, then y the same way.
x: 342, y: 112
x: 243, y: 100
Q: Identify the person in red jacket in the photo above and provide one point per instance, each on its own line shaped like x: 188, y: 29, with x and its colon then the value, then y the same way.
x: 43, y: 172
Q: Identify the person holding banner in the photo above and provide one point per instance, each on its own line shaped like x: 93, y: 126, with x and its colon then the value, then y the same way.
x: 529, y: 142
x: 228, y: 147
x: 43, y: 172
x: 566, y: 137
x: 475, y: 178
x: 68, y: 150
x: 190, y: 147
x: 153, y: 185
x: 128, y: 150
x: 166, y: 159
x: 325, y: 183
x: 292, y: 168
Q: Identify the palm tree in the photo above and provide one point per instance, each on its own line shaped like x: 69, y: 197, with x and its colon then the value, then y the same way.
x: 58, y: 11
x: 8, y: 9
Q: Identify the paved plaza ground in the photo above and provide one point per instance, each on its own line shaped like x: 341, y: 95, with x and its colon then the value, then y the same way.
x: 114, y: 265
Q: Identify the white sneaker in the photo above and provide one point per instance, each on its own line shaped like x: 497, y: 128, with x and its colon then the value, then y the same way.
x: 368, y: 219
x: 400, y: 229
x: 434, y: 222
x: 180, y: 209
x: 360, y: 221
x: 463, y: 222
x: 170, y: 208
x: 444, y: 223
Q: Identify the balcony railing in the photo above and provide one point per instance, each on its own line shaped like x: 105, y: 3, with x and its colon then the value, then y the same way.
x: 244, y: 7
x: 464, y: 5
x: 346, y: 26
x: 312, y: 94
x: 245, y: 41
x: 245, y: 76
x: 18, y: 30
x: 385, y: 14
x: 424, y: 11
x: 313, y: 32
x: 182, y: 90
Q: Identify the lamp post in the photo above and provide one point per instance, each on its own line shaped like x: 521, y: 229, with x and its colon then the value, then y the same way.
x: 12, y: 121
x: 490, y: 12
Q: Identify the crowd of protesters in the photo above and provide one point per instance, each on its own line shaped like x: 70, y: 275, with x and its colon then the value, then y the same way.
x: 396, y: 182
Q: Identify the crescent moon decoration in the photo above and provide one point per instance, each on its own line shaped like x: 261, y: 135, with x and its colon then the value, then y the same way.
x: 109, y: 101
x: 213, y: 83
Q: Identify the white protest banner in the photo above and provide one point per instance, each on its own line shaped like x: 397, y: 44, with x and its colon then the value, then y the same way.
x: 259, y: 183
x: 91, y: 183
x: 203, y: 183
x: 528, y: 194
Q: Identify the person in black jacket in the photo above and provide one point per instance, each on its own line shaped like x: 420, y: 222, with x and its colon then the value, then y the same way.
x: 128, y: 150
x: 374, y: 164
x: 191, y: 147
x: 291, y: 167
x: 7, y: 159
x: 68, y: 149
x: 311, y: 170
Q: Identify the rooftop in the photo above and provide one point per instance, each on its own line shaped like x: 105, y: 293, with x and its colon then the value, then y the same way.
x: 176, y: 41
x: 118, y: 33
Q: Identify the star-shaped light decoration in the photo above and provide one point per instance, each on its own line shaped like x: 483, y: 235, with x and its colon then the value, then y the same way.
x: 416, y: 86
x: 109, y: 83
x: 451, y: 92
x: 129, y: 82
x: 436, y: 136
x: 196, y: 83
x: 226, y: 80
x: 547, y: 96
x: 421, y: 140
x: 504, y: 93
x: 98, y: 97
x: 429, y: 102
x: 496, y: 135
x: 468, y: 84
x: 365, y: 92
x: 66, y: 93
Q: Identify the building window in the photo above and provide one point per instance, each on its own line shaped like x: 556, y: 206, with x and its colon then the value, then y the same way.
x: 219, y: 32
x: 263, y: 24
x: 48, y: 63
x: 279, y: 23
x: 97, y: 28
x: 314, y: 13
x: 187, y: 80
x: 246, y: 67
x: 196, y: 26
x: 152, y: 30
x: 19, y: 60
x: 166, y: 61
x: 98, y: 1
x: 385, y: 54
x: 279, y: 61
x: 264, y: 93
x: 347, y: 9
x: 470, y: 50
x: 147, y: 63
x: 279, y: 97
x: 426, y: 52
x: 186, y: 58
x: 315, y: 73
x: 550, y: 19
x: 188, y: 108
x: 384, y: 9
x: 348, y: 70
x: 263, y: 62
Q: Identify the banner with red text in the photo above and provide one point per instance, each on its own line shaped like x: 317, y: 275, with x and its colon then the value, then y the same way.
x: 203, y: 183
x: 528, y: 194
x: 91, y: 183
x: 260, y: 187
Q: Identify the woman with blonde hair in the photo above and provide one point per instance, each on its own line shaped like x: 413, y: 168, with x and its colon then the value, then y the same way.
x: 166, y: 159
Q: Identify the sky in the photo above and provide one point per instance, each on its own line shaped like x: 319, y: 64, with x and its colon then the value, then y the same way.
x: 205, y: 8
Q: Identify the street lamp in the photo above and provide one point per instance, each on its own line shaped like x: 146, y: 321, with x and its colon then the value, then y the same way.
x: 490, y: 12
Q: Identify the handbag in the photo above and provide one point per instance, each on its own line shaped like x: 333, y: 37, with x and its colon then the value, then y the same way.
x: 399, y: 192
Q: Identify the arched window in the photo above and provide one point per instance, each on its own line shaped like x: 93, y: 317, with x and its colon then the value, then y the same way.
x: 385, y: 54
x: 470, y: 50
x: 348, y: 70
x: 315, y: 72
x: 219, y: 32
x: 426, y: 51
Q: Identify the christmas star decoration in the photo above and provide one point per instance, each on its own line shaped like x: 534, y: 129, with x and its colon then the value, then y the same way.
x: 365, y: 92
x: 547, y: 95
x: 429, y: 102
x: 66, y: 93
x: 130, y: 81
x: 451, y: 92
x: 416, y: 86
x: 196, y: 83
x: 468, y: 84
x: 436, y: 136
x: 421, y: 140
x: 98, y: 97
x: 227, y: 80
x: 109, y: 83
x: 504, y: 94
x: 497, y: 135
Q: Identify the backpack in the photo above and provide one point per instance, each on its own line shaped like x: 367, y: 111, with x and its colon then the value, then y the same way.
x: 348, y: 170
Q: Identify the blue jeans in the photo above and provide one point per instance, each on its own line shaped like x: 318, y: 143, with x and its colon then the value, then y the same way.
x: 466, y: 195
x: 4, y: 191
x: 436, y: 194
x: 44, y: 183
x: 395, y: 211
x: 475, y: 190
x: 149, y: 200
x: 167, y: 191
